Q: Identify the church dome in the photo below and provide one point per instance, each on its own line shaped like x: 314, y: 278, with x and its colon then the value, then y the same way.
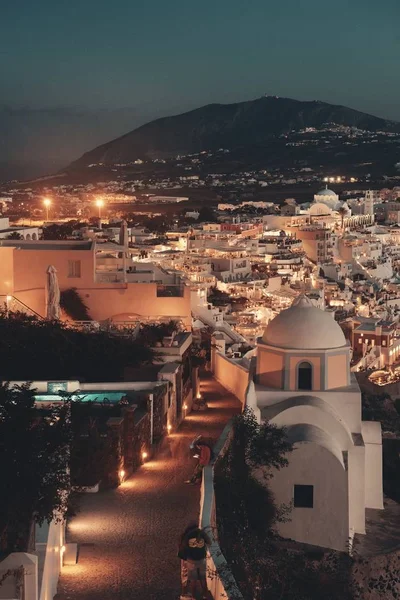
x: 326, y: 192
x: 303, y: 326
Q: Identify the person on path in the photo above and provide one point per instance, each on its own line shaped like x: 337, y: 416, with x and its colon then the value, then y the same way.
x: 193, y: 551
x: 203, y: 455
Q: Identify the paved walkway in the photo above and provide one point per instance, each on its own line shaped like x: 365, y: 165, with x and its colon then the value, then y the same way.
x: 128, y: 536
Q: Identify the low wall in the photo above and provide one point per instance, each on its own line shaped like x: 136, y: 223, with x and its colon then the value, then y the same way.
x: 220, y: 580
x: 50, y: 540
x: 231, y: 376
x: 35, y: 576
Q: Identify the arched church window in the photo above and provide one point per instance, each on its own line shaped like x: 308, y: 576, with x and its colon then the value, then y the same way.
x: 304, y: 376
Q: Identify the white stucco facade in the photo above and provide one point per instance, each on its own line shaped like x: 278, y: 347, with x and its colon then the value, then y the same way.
x: 303, y: 382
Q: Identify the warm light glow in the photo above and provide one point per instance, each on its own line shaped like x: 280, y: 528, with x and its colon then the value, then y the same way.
x: 198, y: 396
x: 185, y: 407
x: 121, y: 474
x: 9, y: 298
x: 62, y: 550
x: 169, y: 427
x: 99, y: 203
x: 47, y: 202
x: 144, y: 455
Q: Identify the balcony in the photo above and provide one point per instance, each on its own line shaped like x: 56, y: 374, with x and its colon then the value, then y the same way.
x: 170, y: 291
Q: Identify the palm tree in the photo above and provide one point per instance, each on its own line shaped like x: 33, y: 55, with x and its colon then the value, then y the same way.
x: 15, y: 236
x: 342, y: 212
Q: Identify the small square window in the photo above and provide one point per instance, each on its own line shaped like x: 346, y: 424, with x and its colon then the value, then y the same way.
x: 74, y: 268
x: 303, y: 496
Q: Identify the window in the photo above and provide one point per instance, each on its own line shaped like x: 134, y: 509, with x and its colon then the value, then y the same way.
x: 303, y: 496
x: 383, y: 342
x: 304, y: 376
x: 74, y: 268
x: 360, y: 341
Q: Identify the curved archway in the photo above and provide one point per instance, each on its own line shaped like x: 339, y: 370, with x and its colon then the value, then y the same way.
x: 34, y: 236
x: 28, y: 236
x: 304, y: 432
x: 314, y: 412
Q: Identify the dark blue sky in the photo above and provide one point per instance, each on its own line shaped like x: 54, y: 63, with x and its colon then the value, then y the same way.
x: 169, y: 56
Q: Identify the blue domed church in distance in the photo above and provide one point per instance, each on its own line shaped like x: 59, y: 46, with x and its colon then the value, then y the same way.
x: 302, y: 381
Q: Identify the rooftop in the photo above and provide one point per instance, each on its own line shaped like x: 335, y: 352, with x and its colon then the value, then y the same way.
x: 47, y: 245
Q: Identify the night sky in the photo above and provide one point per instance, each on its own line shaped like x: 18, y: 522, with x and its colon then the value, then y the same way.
x: 171, y: 56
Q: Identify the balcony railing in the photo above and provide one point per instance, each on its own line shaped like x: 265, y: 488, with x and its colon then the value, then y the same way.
x: 170, y: 291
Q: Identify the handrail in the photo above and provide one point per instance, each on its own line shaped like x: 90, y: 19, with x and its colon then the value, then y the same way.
x: 221, y: 581
x: 9, y: 300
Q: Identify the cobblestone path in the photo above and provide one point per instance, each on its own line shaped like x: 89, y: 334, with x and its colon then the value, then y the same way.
x: 128, y: 536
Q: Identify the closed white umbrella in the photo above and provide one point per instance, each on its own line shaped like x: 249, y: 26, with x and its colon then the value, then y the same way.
x: 52, y: 294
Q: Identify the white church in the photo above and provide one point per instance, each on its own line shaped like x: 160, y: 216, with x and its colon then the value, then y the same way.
x: 302, y: 381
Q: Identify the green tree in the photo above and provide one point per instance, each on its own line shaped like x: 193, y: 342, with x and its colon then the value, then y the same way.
x: 342, y: 212
x: 206, y: 214
x: 33, y: 464
x: 60, y: 232
x: 32, y: 349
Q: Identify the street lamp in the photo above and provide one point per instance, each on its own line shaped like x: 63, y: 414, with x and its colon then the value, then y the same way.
x: 99, y: 204
x: 47, y: 203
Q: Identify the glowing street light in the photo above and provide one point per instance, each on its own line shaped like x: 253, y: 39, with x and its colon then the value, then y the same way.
x: 47, y: 203
x: 99, y: 203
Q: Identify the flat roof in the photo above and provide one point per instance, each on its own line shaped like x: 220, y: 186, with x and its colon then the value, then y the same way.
x: 47, y: 244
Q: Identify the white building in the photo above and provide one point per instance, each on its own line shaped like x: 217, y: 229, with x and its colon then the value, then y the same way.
x: 303, y: 382
x: 327, y: 197
x: 369, y: 201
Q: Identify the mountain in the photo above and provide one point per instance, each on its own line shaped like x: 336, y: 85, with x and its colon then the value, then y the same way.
x: 39, y: 141
x: 240, y: 125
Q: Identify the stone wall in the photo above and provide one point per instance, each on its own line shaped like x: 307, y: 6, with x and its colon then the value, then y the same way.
x: 378, y: 577
x: 109, y: 441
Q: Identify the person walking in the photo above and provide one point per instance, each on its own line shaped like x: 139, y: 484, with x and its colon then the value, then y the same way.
x: 193, y: 551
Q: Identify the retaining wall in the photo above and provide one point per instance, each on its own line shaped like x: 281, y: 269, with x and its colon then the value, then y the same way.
x: 231, y: 376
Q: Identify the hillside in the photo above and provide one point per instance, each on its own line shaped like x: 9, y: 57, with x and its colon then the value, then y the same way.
x: 232, y: 126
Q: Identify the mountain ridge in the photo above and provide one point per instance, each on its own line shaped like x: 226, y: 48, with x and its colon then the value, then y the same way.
x: 228, y: 126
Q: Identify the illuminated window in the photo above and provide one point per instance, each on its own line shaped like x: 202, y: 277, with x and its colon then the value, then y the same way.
x: 383, y: 342
x: 304, y: 376
x: 303, y: 496
x: 74, y: 268
x: 360, y: 341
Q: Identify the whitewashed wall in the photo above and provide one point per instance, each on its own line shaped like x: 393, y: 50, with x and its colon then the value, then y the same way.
x: 220, y: 580
x: 231, y: 376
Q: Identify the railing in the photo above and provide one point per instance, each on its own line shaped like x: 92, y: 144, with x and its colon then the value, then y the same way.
x: 220, y: 579
x: 14, y: 305
x: 116, y: 277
